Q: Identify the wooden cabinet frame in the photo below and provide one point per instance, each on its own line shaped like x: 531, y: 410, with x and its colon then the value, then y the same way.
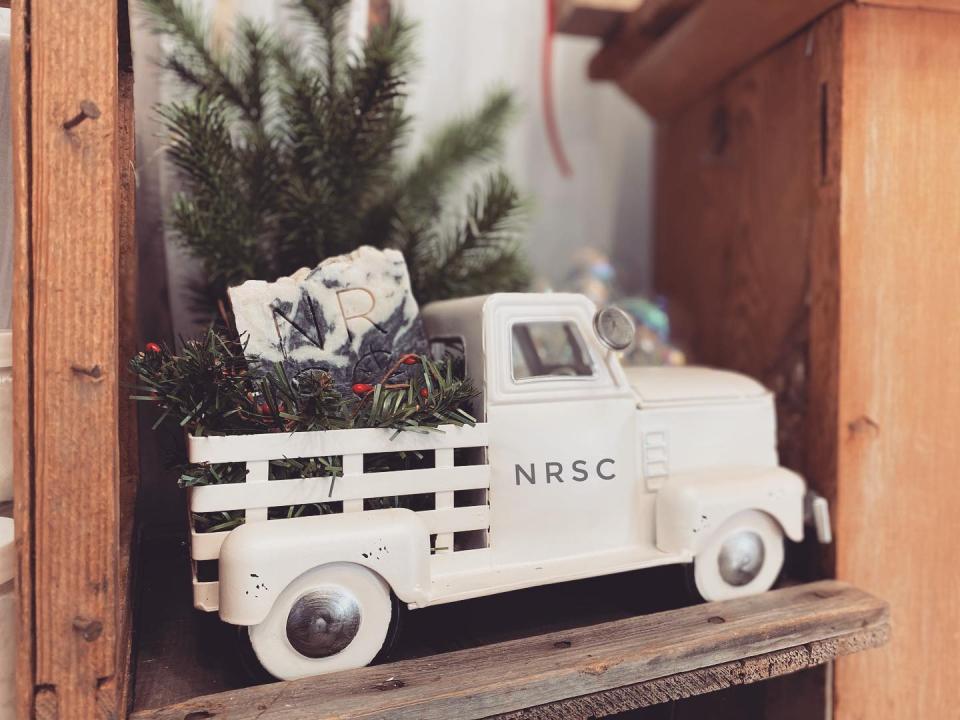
x: 807, y: 222
x: 74, y: 326
x: 75, y: 431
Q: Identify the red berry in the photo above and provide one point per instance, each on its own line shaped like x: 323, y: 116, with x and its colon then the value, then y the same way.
x: 424, y: 392
x: 153, y: 347
x: 362, y: 388
x: 409, y: 359
x: 263, y: 408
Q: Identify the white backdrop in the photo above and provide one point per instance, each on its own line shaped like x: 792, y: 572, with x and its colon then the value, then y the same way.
x: 466, y: 48
x: 469, y: 46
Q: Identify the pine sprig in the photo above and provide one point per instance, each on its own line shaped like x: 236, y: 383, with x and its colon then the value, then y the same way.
x: 457, y: 263
x: 454, y: 149
x: 196, y: 63
x: 289, y: 152
x: 207, y: 389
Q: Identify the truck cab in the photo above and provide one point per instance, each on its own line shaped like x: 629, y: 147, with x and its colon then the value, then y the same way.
x: 601, y: 467
x: 576, y: 467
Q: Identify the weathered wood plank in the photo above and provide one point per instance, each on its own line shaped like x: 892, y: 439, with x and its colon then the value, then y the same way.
x: 20, y: 132
x: 755, y: 158
x: 639, y: 660
x: 706, y: 680
x: 66, y: 334
x: 707, y: 45
x: 172, y: 635
x: 899, y: 395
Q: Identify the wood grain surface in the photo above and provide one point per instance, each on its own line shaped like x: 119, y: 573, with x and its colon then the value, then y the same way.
x: 582, y: 672
x: 838, y: 161
x: 898, y: 497
x: 746, y: 197
x: 705, y: 46
x: 66, y: 419
x: 23, y: 461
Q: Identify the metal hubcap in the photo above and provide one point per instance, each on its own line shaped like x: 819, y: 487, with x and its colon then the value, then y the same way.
x: 741, y: 558
x: 323, y: 622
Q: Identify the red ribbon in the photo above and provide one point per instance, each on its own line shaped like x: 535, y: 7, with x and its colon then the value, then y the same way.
x: 546, y: 80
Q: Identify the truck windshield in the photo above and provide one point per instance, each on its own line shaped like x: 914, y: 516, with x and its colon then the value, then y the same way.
x: 549, y: 349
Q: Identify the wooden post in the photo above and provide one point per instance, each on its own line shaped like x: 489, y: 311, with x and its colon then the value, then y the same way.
x: 72, y: 252
x: 898, y: 497
x: 808, y: 224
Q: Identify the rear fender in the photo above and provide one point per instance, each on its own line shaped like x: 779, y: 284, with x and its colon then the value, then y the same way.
x: 693, y: 505
x: 258, y: 560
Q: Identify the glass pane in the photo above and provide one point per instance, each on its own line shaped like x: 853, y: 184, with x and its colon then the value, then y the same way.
x: 545, y: 349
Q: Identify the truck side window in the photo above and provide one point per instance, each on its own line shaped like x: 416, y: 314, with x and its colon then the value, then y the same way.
x: 549, y: 348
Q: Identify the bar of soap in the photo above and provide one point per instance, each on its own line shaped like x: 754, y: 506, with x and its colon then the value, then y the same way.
x: 352, y: 316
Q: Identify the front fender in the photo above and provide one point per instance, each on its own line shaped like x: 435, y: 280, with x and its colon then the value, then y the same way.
x: 692, y: 505
x: 258, y: 560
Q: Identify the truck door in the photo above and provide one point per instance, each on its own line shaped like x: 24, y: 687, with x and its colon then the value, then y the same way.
x: 562, y: 432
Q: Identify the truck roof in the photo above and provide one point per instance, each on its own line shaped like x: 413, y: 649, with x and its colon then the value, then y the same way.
x: 669, y: 385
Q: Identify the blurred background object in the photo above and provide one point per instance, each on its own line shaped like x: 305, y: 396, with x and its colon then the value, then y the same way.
x: 593, y: 274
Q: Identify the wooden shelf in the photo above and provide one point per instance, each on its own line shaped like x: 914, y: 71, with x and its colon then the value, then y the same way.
x: 668, y: 52
x: 619, y: 662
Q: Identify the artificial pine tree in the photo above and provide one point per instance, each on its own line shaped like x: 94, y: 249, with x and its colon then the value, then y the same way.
x: 289, y: 149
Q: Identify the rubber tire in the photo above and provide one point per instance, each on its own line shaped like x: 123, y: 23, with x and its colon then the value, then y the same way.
x: 379, y: 624
x: 707, y: 579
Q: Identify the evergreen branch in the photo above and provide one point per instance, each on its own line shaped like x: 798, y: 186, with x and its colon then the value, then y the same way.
x: 415, y: 199
x: 254, y: 50
x: 219, y: 219
x: 482, y: 254
x: 327, y: 18
x: 195, y: 62
x: 341, y: 146
x: 460, y: 144
x: 209, y: 389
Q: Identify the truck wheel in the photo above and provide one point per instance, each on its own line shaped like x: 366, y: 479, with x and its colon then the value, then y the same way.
x: 744, y: 557
x: 335, y: 617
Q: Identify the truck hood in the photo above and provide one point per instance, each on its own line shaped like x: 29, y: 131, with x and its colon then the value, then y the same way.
x: 690, y: 385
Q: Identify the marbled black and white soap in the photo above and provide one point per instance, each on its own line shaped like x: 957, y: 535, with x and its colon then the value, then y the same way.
x: 352, y: 316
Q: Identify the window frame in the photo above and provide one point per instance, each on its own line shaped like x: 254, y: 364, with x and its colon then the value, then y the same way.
x: 568, y: 326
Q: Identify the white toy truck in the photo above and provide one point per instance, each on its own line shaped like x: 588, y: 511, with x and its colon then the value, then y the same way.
x: 577, y: 467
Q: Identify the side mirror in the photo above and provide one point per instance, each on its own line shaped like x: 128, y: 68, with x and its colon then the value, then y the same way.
x: 615, y: 328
